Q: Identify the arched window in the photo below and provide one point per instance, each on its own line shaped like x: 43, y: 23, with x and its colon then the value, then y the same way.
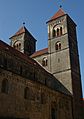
x: 19, y: 46
x: 54, y: 33
x: 26, y: 93
x: 45, y: 61
x: 58, y: 46
x: 60, y: 30
x: 4, y: 87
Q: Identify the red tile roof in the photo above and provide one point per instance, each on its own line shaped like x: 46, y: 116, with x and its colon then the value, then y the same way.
x: 59, y: 13
x: 40, y: 52
x: 21, y: 31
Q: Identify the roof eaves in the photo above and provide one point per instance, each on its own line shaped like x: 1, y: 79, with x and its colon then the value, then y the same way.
x: 55, y: 18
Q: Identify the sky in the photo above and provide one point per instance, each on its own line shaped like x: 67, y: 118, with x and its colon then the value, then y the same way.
x: 35, y: 14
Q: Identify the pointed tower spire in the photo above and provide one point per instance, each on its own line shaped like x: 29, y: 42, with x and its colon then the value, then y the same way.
x: 59, y: 13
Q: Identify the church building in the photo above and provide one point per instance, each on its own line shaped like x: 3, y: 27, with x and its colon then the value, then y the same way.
x: 43, y: 84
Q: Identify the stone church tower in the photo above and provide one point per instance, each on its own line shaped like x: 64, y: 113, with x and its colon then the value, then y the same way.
x: 63, y: 58
x: 23, y: 41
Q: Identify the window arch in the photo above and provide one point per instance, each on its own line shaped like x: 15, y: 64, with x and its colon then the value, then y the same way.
x: 57, y: 30
x: 4, y: 88
x: 45, y: 61
x: 26, y: 93
x: 58, y: 45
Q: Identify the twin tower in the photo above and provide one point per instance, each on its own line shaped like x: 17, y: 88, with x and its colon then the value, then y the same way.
x: 61, y: 58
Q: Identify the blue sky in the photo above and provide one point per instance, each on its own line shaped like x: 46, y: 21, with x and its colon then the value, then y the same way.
x: 35, y: 13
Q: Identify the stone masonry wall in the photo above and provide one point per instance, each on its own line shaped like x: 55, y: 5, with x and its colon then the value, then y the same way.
x: 39, y: 103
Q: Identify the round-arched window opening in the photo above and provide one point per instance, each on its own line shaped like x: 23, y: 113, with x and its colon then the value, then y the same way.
x: 60, y: 30
x: 58, y: 46
x: 44, y: 61
x: 54, y: 33
x: 17, y: 45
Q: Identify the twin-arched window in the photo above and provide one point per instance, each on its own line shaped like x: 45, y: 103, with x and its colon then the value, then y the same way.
x: 17, y: 45
x: 57, y: 32
x: 58, y: 45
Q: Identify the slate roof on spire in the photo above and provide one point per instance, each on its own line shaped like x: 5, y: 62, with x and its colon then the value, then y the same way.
x: 22, y: 30
x: 59, y: 13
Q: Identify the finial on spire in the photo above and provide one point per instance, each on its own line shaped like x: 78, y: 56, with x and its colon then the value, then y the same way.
x: 23, y: 23
x: 60, y: 6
